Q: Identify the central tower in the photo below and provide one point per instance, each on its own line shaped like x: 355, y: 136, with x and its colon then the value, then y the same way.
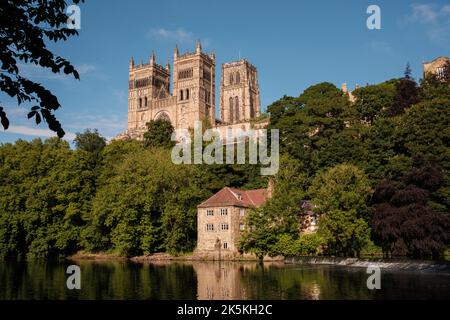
x: 239, y: 92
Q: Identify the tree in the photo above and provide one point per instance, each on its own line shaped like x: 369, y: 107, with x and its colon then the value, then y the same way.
x: 159, y: 133
x: 25, y: 27
x: 375, y: 100
x: 403, y: 222
x: 265, y: 226
x: 90, y: 141
x: 406, y: 93
x: 339, y: 195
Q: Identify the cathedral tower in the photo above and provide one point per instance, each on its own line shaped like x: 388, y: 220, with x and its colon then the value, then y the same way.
x: 147, y: 84
x: 194, y: 86
x: 239, y: 92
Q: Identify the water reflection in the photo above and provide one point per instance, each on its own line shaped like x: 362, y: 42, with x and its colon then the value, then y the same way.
x: 212, y: 280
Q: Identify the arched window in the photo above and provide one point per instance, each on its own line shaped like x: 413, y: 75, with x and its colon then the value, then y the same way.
x: 140, y: 102
x: 181, y: 94
x: 236, y: 107
x: 187, y: 94
x: 145, y: 101
x: 231, y: 79
x: 231, y: 109
x: 238, y: 78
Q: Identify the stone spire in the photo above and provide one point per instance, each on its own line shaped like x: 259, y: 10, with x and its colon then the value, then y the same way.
x: 131, y: 63
x: 198, y: 47
x: 152, y: 58
x: 212, y: 55
x: 175, y: 52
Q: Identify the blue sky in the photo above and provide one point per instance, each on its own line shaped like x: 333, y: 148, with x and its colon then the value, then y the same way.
x: 294, y: 44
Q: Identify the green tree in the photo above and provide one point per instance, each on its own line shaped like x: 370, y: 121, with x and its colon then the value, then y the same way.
x: 159, y: 133
x: 25, y: 27
x: 90, y: 141
x: 406, y: 93
x: 340, y: 195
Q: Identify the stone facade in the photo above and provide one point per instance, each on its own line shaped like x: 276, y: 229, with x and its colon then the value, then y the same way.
x: 192, y: 97
x: 221, y: 219
x: 435, y: 67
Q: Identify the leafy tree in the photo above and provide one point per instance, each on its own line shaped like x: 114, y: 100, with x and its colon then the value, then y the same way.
x: 159, y: 133
x: 406, y: 93
x: 375, y: 100
x: 25, y: 27
x: 90, y: 141
x: 280, y: 215
x: 339, y: 195
x: 403, y: 222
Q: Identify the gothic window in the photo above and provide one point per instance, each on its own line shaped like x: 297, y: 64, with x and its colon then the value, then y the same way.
x: 231, y: 109
x: 145, y: 101
x: 236, y: 107
x: 187, y: 94
x: 181, y: 95
x: 140, y: 102
x: 252, y: 110
x: 238, y: 78
x: 231, y: 79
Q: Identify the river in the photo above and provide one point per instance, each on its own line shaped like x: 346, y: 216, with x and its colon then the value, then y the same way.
x: 213, y: 280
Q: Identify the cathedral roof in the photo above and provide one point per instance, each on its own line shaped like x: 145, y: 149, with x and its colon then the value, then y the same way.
x: 236, y: 197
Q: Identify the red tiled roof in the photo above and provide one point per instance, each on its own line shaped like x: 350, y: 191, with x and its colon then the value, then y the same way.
x: 236, y: 197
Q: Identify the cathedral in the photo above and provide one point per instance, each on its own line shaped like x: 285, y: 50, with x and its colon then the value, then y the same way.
x: 193, y: 93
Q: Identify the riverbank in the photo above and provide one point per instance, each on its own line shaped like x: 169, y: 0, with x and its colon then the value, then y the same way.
x: 393, y: 264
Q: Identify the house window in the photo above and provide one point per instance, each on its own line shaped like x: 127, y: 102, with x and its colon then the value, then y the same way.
x: 224, y: 226
x: 241, y: 226
x: 209, y: 227
x: 225, y: 245
x: 209, y: 212
x: 241, y: 212
x: 224, y: 212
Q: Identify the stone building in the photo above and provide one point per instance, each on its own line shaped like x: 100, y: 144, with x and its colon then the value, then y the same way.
x: 192, y: 97
x: 221, y: 218
x: 435, y: 66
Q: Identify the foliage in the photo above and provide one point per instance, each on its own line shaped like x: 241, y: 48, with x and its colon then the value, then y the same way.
x: 90, y: 141
x: 339, y: 195
x: 159, y: 134
x: 25, y: 27
x: 406, y: 94
x: 403, y: 221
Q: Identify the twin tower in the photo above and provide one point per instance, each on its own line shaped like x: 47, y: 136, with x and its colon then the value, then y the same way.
x: 192, y: 97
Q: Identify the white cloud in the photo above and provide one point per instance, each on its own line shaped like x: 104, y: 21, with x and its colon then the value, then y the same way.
x: 434, y: 18
x: 30, y: 131
x: 178, y: 35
